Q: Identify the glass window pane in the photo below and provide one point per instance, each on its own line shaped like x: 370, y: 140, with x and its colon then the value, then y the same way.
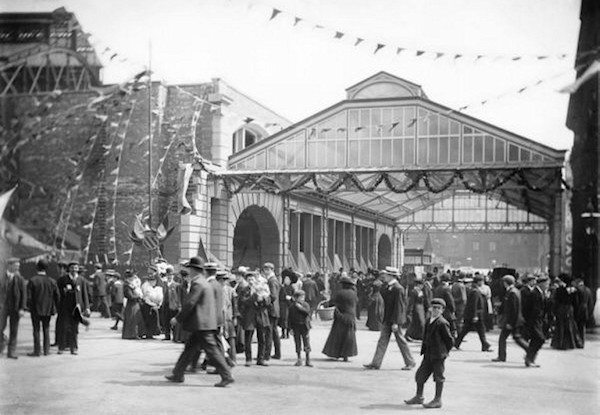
x: 261, y: 160
x: 468, y: 149
x: 376, y: 122
x: 330, y: 149
x: 409, y: 151
x: 386, y: 153
x: 364, y: 153
x: 341, y: 154
x: 513, y: 153
x: 410, y: 122
x: 386, y: 120
x: 443, y: 150
x: 455, y: 150
x: 365, y: 123
x: 300, y: 162
x: 434, y: 121
x: 352, y: 123
x: 397, y: 148
x: 433, y: 150
x: 499, y: 153
x: 312, y: 159
x: 489, y: 148
x: 272, y: 159
x: 478, y: 149
x: 321, y: 154
x: 423, y: 122
x: 525, y: 155
x: 422, y: 151
x: 454, y: 127
x: 375, y: 153
x: 444, y: 130
x: 353, y: 153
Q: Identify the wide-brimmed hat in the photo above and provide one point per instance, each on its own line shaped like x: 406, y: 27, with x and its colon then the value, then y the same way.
x: 438, y: 301
x: 195, y: 262
x: 390, y: 271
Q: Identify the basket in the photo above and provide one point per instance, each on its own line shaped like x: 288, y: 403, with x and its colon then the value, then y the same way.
x: 325, y: 313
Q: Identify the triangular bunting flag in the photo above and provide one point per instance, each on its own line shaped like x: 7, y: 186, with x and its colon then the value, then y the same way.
x: 438, y: 55
x: 379, y: 47
x: 274, y: 14
x: 338, y: 35
x: 394, y: 124
x: 297, y: 20
x: 358, y: 41
x: 420, y: 52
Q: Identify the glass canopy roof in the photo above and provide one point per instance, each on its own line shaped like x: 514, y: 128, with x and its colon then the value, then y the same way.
x: 393, y: 155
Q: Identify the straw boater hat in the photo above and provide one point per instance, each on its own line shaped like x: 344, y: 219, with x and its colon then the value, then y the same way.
x: 390, y: 271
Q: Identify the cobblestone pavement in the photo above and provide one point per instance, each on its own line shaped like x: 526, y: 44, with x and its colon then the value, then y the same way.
x: 114, y: 376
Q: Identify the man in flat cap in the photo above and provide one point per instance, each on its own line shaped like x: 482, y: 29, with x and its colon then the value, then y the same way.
x: 13, y: 300
x: 198, y: 315
x: 512, y: 318
x: 394, y: 316
x: 437, y: 343
x: 534, y: 319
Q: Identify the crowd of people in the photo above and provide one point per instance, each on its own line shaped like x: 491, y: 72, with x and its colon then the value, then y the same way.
x: 218, y: 312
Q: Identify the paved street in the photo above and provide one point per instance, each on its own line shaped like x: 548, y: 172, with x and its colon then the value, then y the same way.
x: 114, y: 376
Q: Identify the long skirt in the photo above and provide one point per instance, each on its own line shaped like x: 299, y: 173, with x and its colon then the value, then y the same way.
x: 565, y: 333
x: 133, y: 324
x: 151, y: 320
x: 375, y: 313
x: 342, y: 337
x: 417, y: 323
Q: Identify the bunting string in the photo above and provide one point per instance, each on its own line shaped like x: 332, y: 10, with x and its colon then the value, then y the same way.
x: 378, y: 45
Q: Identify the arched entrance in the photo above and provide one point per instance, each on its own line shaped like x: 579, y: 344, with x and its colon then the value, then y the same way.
x: 255, y: 238
x: 384, y: 252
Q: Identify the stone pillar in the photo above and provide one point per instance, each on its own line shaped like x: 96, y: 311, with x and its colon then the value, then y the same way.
x: 221, y: 243
x: 285, y: 231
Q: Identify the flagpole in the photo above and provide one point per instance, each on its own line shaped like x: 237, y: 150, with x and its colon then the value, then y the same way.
x: 150, y: 132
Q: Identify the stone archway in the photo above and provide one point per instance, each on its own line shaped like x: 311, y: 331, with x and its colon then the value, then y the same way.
x: 255, y: 238
x: 384, y: 252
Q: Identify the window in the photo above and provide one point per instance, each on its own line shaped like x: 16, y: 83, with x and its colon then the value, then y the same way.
x: 244, y: 137
x: 492, y: 246
x: 475, y: 246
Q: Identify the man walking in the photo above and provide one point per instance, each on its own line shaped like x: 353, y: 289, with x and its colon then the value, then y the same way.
x: 13, y: 300
x: 513, y: 318
x: 534, y: 320
x: 474, y: 315
x: 272, y: 333
x: 198, y: 315
x: 99, y: 290
x: 43, y: 300
x: 394, y: 316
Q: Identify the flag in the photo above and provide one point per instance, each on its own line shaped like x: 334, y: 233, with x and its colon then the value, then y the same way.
x: 187, y: 174
x: 4, y: 198
x: 338, y: 35
x: 592, y: 70
x: 297, y: 20
x: 274, y: 14
x: 379, y: 47
x: 358, y: 41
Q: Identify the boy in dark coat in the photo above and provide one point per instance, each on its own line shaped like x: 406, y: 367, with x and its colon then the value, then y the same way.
x: 437, y: 343
x: 299, y: 322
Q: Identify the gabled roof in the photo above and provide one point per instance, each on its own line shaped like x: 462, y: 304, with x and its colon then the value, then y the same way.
x: 384, y: 85
x: 407, y: 152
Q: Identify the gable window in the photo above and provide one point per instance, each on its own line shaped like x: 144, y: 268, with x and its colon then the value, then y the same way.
x: 244, y: 137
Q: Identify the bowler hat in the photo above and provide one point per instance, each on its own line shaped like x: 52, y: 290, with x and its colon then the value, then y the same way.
x: 438, y: 301
x: 195, y: 262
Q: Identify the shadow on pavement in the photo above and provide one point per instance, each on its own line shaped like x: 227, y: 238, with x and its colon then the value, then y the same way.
x: 137, y: 383
x: 390, y: 407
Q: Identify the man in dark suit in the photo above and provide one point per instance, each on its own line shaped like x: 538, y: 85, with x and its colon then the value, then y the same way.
x: 312, y: 293
x: 474, y: 315
x: 13, y: 300
x: 394, y: 317
x: 43, y: 298
x: 534, y: 319
x: 99, y: 289
x: 272, y: 333
x: 198, y: 315
x: 513, y: 318
x: 74, y: 303
x: 582, y: 307
x: 444, y: 291
x: 427, y: 293
x: 437, y: 343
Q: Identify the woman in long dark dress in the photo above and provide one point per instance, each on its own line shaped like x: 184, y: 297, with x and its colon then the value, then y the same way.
x: 375, y: 308
x: 133, y: 325
x: 341, y: 342
x: 565, y: 333
x: 416, y: 312
x: 285, y: 299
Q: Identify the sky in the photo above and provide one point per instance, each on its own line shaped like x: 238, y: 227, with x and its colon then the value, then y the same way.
x: 298, y: 70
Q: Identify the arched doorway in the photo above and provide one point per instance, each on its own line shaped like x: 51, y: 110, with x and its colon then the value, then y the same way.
x: 255, y: 238
x: 384, y: 252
